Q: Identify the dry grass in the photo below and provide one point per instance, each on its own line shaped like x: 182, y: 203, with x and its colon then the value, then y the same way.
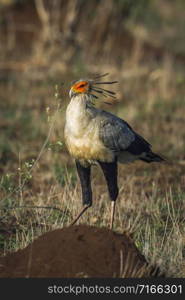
x: 36, y: 169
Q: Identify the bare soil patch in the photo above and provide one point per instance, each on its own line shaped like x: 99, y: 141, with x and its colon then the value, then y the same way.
x: 77, y: 251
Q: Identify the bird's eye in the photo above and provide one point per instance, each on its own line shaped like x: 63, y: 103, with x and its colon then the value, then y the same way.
x: 82, y: 85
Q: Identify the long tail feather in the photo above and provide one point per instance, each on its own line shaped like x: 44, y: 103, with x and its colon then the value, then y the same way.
x: 152, y: 157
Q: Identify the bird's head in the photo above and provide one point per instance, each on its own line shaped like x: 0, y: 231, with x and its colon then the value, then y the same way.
x: 81, y: 86
x: 91, y: 86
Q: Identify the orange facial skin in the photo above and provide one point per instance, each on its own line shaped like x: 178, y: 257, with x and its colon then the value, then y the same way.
x: 80, y: 87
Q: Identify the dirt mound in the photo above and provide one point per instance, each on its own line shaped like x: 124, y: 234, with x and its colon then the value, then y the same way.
x: 77, y: 251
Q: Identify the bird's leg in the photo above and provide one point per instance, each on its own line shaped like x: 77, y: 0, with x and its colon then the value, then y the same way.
x: 80, y: 214
x: 84, y: 174
x: 110, y: 173
x: 112, y: 213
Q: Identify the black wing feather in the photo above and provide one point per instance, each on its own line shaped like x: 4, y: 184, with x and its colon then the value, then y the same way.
x: 139, y: 146
x: 118, y: 135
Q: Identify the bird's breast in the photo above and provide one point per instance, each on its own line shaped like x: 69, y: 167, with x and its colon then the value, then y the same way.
x: 87, y: 145
x: 82, y: 135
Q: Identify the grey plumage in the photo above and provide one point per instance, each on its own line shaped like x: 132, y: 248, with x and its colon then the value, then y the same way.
x: 115, y: 133
x: 118, y: 136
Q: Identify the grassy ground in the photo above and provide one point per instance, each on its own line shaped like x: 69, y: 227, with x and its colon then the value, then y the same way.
x: 39, y: 188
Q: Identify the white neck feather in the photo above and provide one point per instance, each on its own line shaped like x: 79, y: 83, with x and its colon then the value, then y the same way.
x: 77, y: 117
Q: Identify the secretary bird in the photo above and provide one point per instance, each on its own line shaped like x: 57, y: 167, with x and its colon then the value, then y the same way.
x: 95, y: 136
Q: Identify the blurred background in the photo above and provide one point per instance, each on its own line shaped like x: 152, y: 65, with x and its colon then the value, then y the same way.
x: 44, y: 45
